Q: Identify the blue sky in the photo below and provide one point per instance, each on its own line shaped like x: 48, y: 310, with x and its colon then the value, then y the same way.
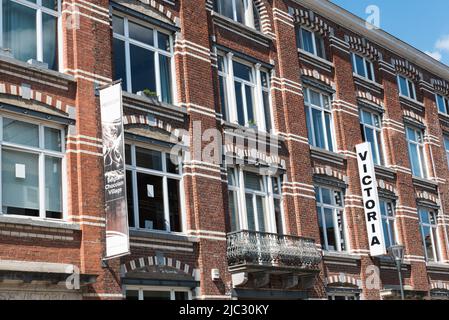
x: 423, y: 24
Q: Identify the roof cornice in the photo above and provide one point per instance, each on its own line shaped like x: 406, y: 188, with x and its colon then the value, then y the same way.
x: 356, y: 24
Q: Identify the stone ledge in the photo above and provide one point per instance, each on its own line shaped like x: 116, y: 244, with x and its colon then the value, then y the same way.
x: 27, y: 221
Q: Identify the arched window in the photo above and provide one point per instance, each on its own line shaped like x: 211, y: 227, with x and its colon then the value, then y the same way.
x: 242, y: 11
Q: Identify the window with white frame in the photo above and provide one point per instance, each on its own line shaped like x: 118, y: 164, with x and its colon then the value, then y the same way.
x: 406, y: 87
x: 143, y: 58
x: 29, y: 29
x: 157, y: 293
x: 242, y: 11
x: 429, y: 233
x: 311, y: 42
x: 245, y: 92
x: 388, y: 222
x: 446, y: 147
x: 319, y: 119
x: 343, y: 296
x: 442, y: 103
x: 370, y: 125
x: 362, y: 66
x: 331, y: 219
x: 32, y: 156
x: 153, y: 189
x: 255, y: 202
x: 415, y: 141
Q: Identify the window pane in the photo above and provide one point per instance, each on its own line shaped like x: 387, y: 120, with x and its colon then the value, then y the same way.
x: 53, y: 188
x: 307, y: 41
x: 240, y: 10
x: 318, y: 128
x: 242, y: 71
x: 174, y: 205
x: 165, y: 72
x: 359, y: 63
x: 225, y: 8
x: 403, y: 86
x: 309, y: 126
x: 150, y: 159
x: 253, y: 181
x: 250, y: 105
x: 163, y: 41
x: 250, y: 212
x: 156, y: 295
x: 369, y: 135
x: 239, y: 101
x: 319, y: 43
x: 132, y: 295
x: 441, y: 104
x: 223, y: 98
x: 20, y: 132
x: 411, y: 134
x: 129, y: 196
x: 428, y: 243
x: 261, y: 214
x: 142, y: 69
x: 180, y: 295
x: 267, y: 111
x: 414, y: 159
x: 327, y: 119
x: 19, y: 30
x: 20, y: 183
x: 52, y: 138
x: 386, y: 229
x: 117, y: 25
x: 278, y: 216
x: 170, y: 165
x: 127, y: 154
x: 233, y: 210
x: 120, y: 62
x: 322, y: 227
x: 327, y: 196
x: 50, y: 4
x: 366, y: 117
x: 315, y: 98
x: 411, y: 90
x: 369, y: 70
x: 330, y: 230
x: 341, y: 228
x: 141, y: 33
x: 50, y: 40
x: 151, y: 202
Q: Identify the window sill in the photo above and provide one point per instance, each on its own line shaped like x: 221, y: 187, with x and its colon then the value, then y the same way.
x: 336, y: 255
x: 425, y: 183
x: 325, y: 155
x: 437, y: 266
x: 163, y: 235
x: 414, y: 104
x: 384, y: 172
x: 30, y: 72
x: 369, y: 84
x: 38, y: 222
x: 324, y: 64
x: 251, y: 132
x: 240, y: 29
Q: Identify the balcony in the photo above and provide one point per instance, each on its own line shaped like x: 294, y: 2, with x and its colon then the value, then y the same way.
x: 254, y: 251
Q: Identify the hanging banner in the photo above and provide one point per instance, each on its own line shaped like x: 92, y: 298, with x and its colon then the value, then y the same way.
x: 117, y: 232
x: 371, y: 205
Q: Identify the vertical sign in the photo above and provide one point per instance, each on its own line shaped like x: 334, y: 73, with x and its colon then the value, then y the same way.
x: 371, y: 206
x: 117, y: 233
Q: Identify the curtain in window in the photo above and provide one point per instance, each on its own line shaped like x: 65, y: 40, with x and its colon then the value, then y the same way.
x: 164, y: 66
x: 50, y: 41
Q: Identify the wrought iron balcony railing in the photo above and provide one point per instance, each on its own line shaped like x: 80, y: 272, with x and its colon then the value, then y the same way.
x: 260, y: 248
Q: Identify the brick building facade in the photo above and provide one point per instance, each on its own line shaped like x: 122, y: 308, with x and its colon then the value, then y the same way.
x: 264, y: 103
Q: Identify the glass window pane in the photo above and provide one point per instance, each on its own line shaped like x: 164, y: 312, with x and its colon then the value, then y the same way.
x: 428, y: 245
x: 174, y: 205
x: 141, y: 33
x: 233, y: 210
x: 315, y: 98
x: 249, y: 105
x: 127, y: 154
x: 117, y: 25
x: 330, y: 229
x: 411, y: 134
x: 250, y: 212
x: 319, y: 43
x: 52, y: 139
x: 414, y: 159
x: 239, y: 101
x: 181, y: 295
x: 130, y: 200
x: 142, y: 70
x: 20, y: 132
x: 163, y: 41
x: 307, y: 41
x: 367, y: 117
x: 132, y: 295
x: 172, y: 167
x: 151, y: 202
x: 156, y: 295
x: 359, y: 63
x: 50, y: 4
x: 369, y: 70
x: 369, y: 135
x: 309, y: 126
x: 19, y: 30
x: 278, y: 216
x: 411, y: 89
x: 150, y: 159
x: 120, y: 62
x: 318, y: 128
x: 386, y: 229
x: 225, y: 8
x: 441, y: 104
x: 327, y: 119
x: 322, y: 227
x: 223, y: 97
x: 20, y: 183
x: 253, y: 181
x: 53, y: 188
x: 240, y: 10
x: 242, y: 71
x: 403, y: 86
x: 165, y: 73
x: 327, y: 196
x: 261, y: 213
x: 50, y: 40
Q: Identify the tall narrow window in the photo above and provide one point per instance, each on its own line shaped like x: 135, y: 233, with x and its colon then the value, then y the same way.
x: 311, y: 42
x: 331, y: 218
x: 442, y: 103
x: 154, y: 190
x: 242, y: 11
x: 30, y: 29
x: 255, y: 202
x: 406, y: 87
x: 319, y: 119
x: 143, y: 58
x: 32, y: 169
x: 415, y: 142
x: 446, y: 147
x: 370, y: 125
x: 388, y: 222
x: 244, y: 93
x: 362, y: 66
x: 429, y: 234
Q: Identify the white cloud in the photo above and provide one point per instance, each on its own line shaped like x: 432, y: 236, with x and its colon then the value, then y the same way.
x: 435, y: 54
x: 443, y: 43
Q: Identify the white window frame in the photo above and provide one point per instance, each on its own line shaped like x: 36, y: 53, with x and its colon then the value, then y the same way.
x: 379, y: 147
x: 365, y: 62
x: 331, y: 296
x: 314, y: 42
x: 309, y: 106
x: 42, y: 153
x: 165, y: 176
x: 445, y: 102
x: 230, y: 79
x: 129, y: 41
x: 172, y: 290
x: 421, y: 155
x: 390, y: 220
x: 436, y: 243
x: 268, y: 196
x: 248, y: 15
x: 335, y: 208
x: 39, y: 36
x: 408, y: 93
